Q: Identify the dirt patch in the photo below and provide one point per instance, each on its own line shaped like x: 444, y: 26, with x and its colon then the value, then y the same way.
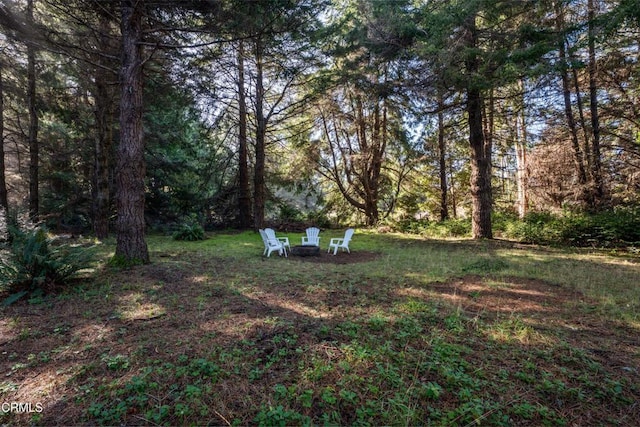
x: 340, y: 258
x: 507, y: 295
x: 546, y: 307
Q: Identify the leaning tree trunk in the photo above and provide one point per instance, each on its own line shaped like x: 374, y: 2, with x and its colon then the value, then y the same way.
x: 34, y: 155
x: 130, y: 170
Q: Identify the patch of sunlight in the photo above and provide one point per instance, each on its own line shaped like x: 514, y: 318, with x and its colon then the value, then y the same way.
x: 8, y: 329
x: 551, y: 255
x: 289, y: 305
x: 514, y: 329
x: 499, y: 284
x: 456, y: 298
x: 233, y: 326
x: 135, y: 308
x: 426, y: 278
x: 201, y: 279
x: 92, y: 333
x: 42, y: 384
x: 415, y: 304
x: 413, y: 292
x: 142, y: 312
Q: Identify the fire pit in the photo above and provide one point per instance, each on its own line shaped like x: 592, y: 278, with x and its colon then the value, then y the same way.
x: 305, y: 250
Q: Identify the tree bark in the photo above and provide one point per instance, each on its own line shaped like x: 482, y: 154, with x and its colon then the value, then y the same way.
x: 596, y: 160
x: 131, y: 246
x: 378, y: 142
x: 103, y: 143
x: 568, y: 110
x: 244, y: 195
x: 442, y: 157
x: 259, y: 188
x: 34, y: 155
x: 521, y: 160
x: 481, y: 196
x: 4, y: 199
x: 452, y: 186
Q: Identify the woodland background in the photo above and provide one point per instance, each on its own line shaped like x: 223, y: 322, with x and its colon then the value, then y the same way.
x: 124, y: 116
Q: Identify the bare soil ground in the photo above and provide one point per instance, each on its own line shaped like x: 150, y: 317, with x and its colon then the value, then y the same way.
x: 550, y: 308
x: 340, y: 258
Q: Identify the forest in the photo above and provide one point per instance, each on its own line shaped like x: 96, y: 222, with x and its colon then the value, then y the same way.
x: 482, y: 156
x: 123, y: 117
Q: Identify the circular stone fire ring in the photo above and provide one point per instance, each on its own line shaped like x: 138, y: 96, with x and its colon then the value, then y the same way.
x: 305, y: 250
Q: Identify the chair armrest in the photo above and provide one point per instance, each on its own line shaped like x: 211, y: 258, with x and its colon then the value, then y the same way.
x: 336, y: 241
x: 284, y: 240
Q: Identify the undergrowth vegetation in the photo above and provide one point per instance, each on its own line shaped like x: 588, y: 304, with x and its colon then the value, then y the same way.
x: 36, y: 262
x: 189, y: 232
x: 403, y: 331
x: 607, y: 229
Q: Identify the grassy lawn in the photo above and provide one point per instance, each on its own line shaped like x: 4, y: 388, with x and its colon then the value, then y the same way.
x: 404, y: 331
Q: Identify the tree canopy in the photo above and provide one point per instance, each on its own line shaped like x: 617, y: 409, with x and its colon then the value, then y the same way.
x: 124, y: 115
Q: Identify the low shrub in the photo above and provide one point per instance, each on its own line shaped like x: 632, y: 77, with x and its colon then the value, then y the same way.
x: 457, y: 227
x: 189, y: 232
x: 618, y: 227
x: 290, y: 213
x: 436, y: 229
x: 319, y: 219
x: 535, y: 227
x: 36, y: 263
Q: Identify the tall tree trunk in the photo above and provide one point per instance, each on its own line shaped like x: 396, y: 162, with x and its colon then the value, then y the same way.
x: 34, y: 196
x: 452, y: 187
x: 521, y: 159
x: 596, y: 161
x: 480, y: 170
x: 244, y: 195
x: 4, y: 200
x: 481, y: 196
x: 103, y: 141
x: 131, y: 246
x: 568, y: 110
x: 377, y: 148
x: 442, y: 157
x: 259, y: 188
x: 586, y: 148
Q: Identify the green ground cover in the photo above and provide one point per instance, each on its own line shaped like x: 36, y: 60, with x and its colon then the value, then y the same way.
x: 403, y: 331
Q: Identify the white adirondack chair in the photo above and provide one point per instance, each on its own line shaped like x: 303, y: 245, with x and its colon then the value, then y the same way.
x: 271, y: 244
x: 265, y: 241
x: 283, y: 240
x: 312, y: 238
x: 341, y: 242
